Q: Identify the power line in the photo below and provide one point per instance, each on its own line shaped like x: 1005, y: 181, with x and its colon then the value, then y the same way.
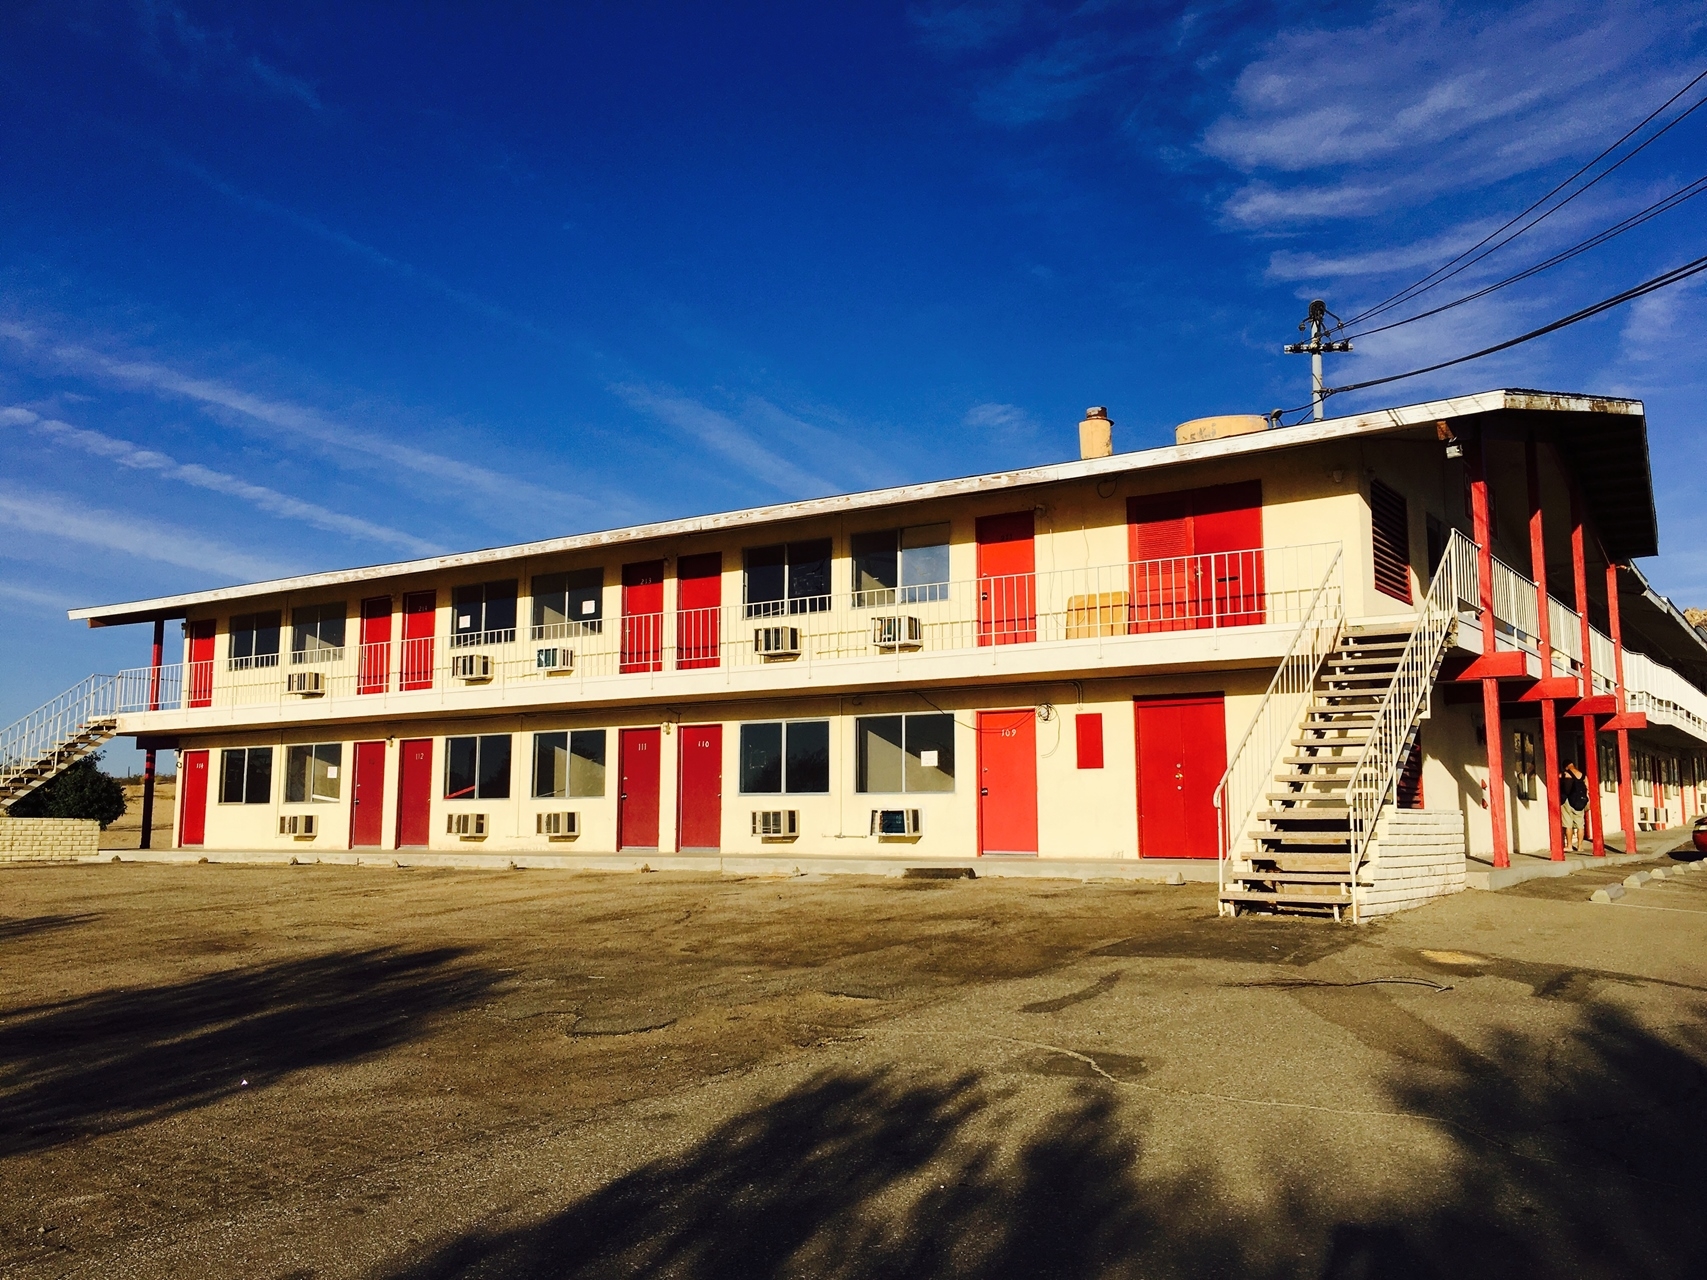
x: 1635, y: 220
x: 1403, y: 294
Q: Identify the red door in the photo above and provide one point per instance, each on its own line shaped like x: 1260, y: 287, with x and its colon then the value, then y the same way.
x: 200, y: 683
x: 642, y: 617
x: 637, y: 801
x: 414, y: 792
x: 699, y: 597
x: 420, y: 615
x: 367, y: 797
x: 373, y: 674
x: 1182, y: 753
x: 1007, y: 782
x: 1007, y: 581
x: 1196, y: 557
x: 192, y: 813
x: 701, y: 786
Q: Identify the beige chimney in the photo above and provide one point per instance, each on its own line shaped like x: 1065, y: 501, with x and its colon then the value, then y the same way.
x: 1096, y: 434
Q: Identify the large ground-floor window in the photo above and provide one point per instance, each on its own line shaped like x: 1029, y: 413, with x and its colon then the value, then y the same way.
x: 570, y: 763
x: 904, y: 753
x: 478, y: 768
x: 246, y: 775
x: 311, y: 772
x: 785, y: 757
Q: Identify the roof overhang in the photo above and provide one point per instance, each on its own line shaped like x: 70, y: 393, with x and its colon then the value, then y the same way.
x: 1593, y: 431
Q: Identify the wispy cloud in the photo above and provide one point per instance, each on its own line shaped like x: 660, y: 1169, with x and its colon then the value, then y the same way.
x: 56, y: 519
x: 723, y: 435
x: 174, y: 44
x: 283, y: 505
x: 296, y: 425
x: 45, y: 601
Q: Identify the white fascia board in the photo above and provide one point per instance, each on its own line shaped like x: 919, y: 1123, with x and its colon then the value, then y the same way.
x: 1376, y: 423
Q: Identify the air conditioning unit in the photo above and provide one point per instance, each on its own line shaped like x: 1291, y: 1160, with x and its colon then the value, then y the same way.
x: 897, y: 632
x: 776, y: 642
x: 557, y: 826
x: 471, y: 668
x: 776, y: 824
x: 299, y: 826
x: 555, y: 661
x: 466, y: 826
x: 895, y: 824
x: 309, y: 684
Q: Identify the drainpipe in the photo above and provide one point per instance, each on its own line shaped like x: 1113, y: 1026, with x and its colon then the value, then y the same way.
x: 1626, y: 796
x: 147, y: 840
x: 1591, y: 742
x: 1477, y: 458
x: 1544, y: 627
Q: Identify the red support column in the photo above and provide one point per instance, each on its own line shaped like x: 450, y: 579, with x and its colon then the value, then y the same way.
x: 1477, y: 458
x: 1544, y: 629
x: 1626, y: 796
x: 1591, y: 744
x: 147, y: 840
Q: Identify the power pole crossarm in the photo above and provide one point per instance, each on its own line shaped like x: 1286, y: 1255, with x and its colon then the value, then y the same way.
x: 1316, y: 325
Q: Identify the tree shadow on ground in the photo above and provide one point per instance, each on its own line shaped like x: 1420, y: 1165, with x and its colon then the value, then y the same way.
x: 1581, y: 1157
x: 124, y: 1057
x: 28, y: 926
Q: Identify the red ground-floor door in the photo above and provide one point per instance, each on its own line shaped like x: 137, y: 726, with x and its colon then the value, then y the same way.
x: 637, y: 801
x: 192, y: 816
x: 701, y: 786
x: 367, y: 796
x: 414, y: 792
x: 1182, y: 753
x: 1007, y: 782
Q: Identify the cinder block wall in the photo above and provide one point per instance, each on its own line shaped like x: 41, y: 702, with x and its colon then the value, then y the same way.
x: 48, y: 839
x: 1417, y: 854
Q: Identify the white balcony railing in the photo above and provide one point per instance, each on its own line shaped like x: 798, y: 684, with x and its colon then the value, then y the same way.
x: 1188, y: 594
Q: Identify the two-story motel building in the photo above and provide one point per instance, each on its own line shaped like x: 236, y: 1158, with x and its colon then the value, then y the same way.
x: 1081, y: 662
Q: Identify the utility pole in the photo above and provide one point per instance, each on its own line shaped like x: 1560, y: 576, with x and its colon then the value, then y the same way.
x: 1316, y: 325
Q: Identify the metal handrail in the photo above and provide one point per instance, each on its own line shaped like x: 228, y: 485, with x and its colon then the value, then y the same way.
x: 45, y: 732
x: 1376, y: 776
x: 1251, y: 766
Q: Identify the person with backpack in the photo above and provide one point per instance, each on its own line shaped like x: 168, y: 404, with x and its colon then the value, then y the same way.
x: 1573, y: 803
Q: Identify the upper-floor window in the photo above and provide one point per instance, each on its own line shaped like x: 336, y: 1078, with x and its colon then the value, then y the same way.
x: 791, y: 577
x: 483, y: 613
x: 254, y: 640
x: 900, y: 566
x: 567, y: 604
x: 317, y: 633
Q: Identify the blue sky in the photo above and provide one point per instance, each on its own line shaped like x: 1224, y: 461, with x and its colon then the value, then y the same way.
x: 298, y: 287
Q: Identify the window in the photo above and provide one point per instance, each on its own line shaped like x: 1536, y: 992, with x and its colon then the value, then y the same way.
x: 568, y: 604
x: 483, y: 613
x: 1608, y: 766
x: 311, y: 772
x: 1390, y: 526
x: 900, y: 566
x: 904, y: 753
x: 317, y: 633
x: 791, y: 757
x: 254, y: 640
x: 246, y: 775
x: 1523, y: 763
x: 790, y: 577
x: 568, y: 764
x: 1087, y: 725
x: 478, y: 768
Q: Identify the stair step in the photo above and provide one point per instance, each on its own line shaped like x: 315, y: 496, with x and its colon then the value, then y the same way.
x: 1296, y: 899
x: 1373, y: 677
x: 1336, y: 761
x: 1296, y: 877
x: 1345, y: 741
x: 1303, y: 837
x: 1287, y: 861
x: 1326, y: 812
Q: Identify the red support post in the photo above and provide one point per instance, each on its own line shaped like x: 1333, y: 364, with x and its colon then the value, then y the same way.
x: 1591, y: 744
x: 1495, y: 794
x: 1544, y: 629
x: 1626, y: 796
x: 147, y: 839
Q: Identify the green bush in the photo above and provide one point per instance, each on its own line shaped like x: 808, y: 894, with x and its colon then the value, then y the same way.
x: 82, y: 791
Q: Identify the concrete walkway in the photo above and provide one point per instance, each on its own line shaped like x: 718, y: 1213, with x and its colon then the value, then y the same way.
x: 1480, y: 873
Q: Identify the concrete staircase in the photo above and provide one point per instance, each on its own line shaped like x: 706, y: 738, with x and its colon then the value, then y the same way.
x: 55, y: 736
x: 1302, y: 850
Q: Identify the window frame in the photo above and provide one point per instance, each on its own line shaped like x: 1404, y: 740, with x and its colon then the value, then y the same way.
x: 911, y: 722
x: 483, y: 774
x: 485, y: 633
x: 785, y: 730
x: 252, y: 655
x: 592, y: 591
x: 331, y: 755
x: 247, y: 782
x: 793, y: 563
x: 304, y: 627
x: 570, y: 790
x: 902, y: 592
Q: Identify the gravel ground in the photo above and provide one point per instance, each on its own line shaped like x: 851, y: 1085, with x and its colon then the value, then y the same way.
x: 417, y: 1075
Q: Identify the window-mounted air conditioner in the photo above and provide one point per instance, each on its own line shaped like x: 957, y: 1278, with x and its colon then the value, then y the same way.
x: 894, y: 631
x: 895, y: 824
x: 557, y: 826
x: 466, y: 826
x: 776, y: 642
x: 556, y: 661
x: 299, y: 826
x: 776, y: 824
x: 471, y: 668
x: 308, y: 684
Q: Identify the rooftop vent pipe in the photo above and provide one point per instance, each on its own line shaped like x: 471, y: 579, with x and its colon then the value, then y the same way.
x: 1096, y: 434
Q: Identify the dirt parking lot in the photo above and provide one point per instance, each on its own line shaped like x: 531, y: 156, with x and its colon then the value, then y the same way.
x: 417, y: 1075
